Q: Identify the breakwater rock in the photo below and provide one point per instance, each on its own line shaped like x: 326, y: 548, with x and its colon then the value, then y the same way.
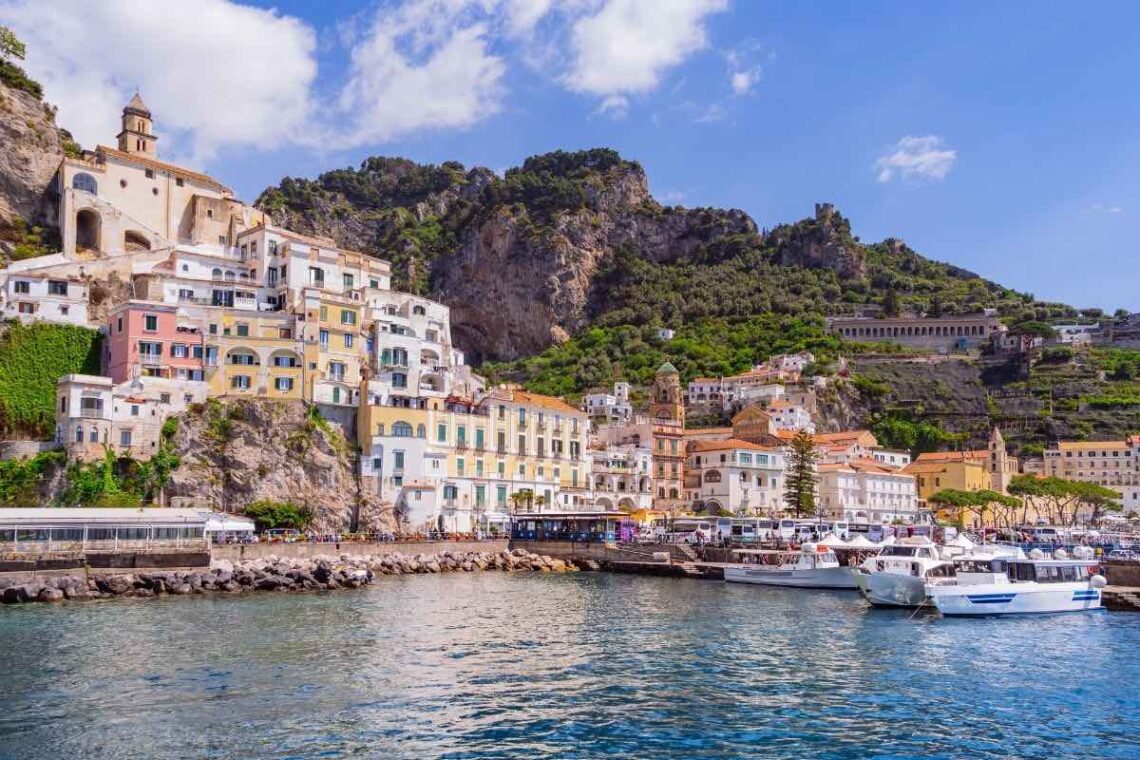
x: 345, y: 571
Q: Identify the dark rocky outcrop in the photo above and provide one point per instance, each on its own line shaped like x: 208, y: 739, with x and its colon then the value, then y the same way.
x: 277, y: 574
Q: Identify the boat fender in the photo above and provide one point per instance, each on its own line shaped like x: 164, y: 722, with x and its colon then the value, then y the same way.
x: 1098, y: 581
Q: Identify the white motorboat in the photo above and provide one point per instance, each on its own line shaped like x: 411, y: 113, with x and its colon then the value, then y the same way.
x: 1003, y: 586
x: 897, y: 576
x: 814, y: 566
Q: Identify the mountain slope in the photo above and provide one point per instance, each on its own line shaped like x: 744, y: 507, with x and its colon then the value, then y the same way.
x: 571, y: 241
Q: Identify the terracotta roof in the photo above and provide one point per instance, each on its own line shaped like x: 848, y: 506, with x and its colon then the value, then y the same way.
x: 953, y: 456
x: 873, y: 466
x: 693, y: 432
x: 729, y: 443
x: 781, y: 404
x: 154, y: 163
x: 546, y: 402
x: 922, y: 468
x: 1086, y: 445
x: 842, y: 436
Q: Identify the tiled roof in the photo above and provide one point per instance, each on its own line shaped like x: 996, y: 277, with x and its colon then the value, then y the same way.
x: 154, y: 163
x: 725, y: 445
x: 546, y: 402
x: 1086, y: 445
x: 953, y: 456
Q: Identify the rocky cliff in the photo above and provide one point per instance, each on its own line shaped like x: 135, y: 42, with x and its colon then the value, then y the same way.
x: 236, y: 453
x: 33, y: 149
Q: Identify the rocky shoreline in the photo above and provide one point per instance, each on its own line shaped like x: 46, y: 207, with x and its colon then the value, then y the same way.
x: 325, y: 573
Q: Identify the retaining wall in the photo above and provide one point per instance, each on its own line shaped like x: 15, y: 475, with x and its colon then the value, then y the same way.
x: 306, y: 549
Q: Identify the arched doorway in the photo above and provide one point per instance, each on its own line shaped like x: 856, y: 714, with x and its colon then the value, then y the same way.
x: 87, y: 225
x: 135, y: 241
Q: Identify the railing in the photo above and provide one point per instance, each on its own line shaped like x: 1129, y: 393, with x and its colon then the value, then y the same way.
x: 461, y: 445
x: 91, y: 413
x: 540, y: 425
x: 151, y: 360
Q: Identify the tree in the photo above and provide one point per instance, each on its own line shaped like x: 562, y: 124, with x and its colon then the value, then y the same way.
x: 1063, y: 499
x: 799, y: 486
x: 891, y: 303
x: 10, y: 45
x: 980, y: 503
x: 277, y: 514
x: 935, y: 309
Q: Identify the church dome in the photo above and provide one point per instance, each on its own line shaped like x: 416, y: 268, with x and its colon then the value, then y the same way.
x: 667, y: 369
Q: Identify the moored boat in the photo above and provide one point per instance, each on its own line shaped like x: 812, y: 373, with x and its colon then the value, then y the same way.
x: 897, y: 576
x: 814, y: 566
x: 1003, y: 586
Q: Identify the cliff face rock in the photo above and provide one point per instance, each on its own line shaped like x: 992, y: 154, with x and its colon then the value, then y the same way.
x: 239, y: 452
x: 821, y: 243
x: 33, y: 149
x: 516, y: 258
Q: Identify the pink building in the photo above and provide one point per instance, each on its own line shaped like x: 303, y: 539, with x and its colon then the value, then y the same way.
x: 147, y: 339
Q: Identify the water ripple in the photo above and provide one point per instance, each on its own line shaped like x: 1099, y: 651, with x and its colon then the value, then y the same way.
x: 581, y: 666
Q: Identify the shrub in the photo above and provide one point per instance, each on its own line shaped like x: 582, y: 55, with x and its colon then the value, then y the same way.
x: 32, y: 358
x: 277, y: 514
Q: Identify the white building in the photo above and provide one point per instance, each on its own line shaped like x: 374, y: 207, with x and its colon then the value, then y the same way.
x: 866, y: 491
x: 93, y: 413
x: 788, y: 416
x: 622, y: 478
x: 1074, y: 334
x: 890, y: 457
x: 39, y: 297
x: 609, y: 407
x: 665, y: 333
x: 734, y: 476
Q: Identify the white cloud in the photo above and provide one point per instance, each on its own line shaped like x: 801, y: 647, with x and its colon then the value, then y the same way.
x: 743, y: 69
x: 626, y: 46
x: 743, y: 81
x: 425, y: 65
x: 614, y: 106
x: 711, y: 113
x: 214, y: 73
x: 916, y: 158
x: 522, y: 16
x: 1106, y: 208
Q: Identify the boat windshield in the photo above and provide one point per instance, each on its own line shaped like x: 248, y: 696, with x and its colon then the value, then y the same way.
x: 899, y: 551
x: 1027, y: 571
x: 981, y: 566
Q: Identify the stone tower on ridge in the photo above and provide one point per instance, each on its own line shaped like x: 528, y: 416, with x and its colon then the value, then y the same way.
x: 668, y: 403
x: 136, y: 135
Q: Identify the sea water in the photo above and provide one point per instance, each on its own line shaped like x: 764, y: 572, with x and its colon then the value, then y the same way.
x: 497, y: 665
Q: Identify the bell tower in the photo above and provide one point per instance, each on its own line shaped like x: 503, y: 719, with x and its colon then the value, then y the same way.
x: 136, y: 136
x: 667, y: 402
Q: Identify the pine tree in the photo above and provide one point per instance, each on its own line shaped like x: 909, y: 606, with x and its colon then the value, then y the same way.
x: 799, y: 486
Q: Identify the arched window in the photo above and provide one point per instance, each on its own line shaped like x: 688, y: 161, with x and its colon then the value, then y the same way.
x: 661, y: 492
x: 94, y: 438
x: 85, y: 182
x: 712, y: 476
x: 216, y: 274
x: 421, y: 431
x: 79, y: 434
x: 401, y: 430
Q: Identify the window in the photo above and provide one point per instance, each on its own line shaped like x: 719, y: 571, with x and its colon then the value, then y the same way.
x: 283, y: 384
x: 240, y: 382
x: 480, y: 495
x: 120, y: 324
x: 522, y: 470
x: 502, y: 468
x: 441, y: 432
x: 347, y: 317
x: 150, y: 323
x: 347, y: 280
x: 401, y: 430
x: 348, y: 340
x: 79, y: 434
x: 179, y: 181
x: 22, y: 287
x: 57, y: 287
x: 324, y: 340
x: 459, y: 467
x: 179, y: 351
x: 27, y: 308
x: 242, y: 329
x: 421, y: 431
x: 522, y: 444
x: 94, y: 436
x: 374, y: 284
x: 317, y: 277
x: 419, y: 310
x: 397, y: 481
x: 450, y: 493
x: 245, y: 360
x: 336, y: 370
x: 284, y: 360
x: 271, y: 246
x: 397, y: 460
x: 501, y: 495
x: 84, y: 182
x: 124, y: 437
x: 164, y: 398
x: 399, y: 379
x: 324, y: 313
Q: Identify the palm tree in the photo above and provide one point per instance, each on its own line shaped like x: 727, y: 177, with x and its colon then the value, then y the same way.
x: 540, y: 502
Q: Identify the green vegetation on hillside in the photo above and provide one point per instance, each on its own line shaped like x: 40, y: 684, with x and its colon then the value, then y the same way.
x: 32, y: 358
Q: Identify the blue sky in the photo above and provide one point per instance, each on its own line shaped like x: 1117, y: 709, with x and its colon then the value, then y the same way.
x: 1000, y: 137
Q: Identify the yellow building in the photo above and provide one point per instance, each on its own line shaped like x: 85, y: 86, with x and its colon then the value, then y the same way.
x: 254, y: 354
x: 958, y: 474
x: 452, y: 463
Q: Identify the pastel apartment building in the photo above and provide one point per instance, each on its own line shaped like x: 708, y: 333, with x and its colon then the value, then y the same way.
x: 735, y: 476
x: 37, y: 297
x: 1112, y: 464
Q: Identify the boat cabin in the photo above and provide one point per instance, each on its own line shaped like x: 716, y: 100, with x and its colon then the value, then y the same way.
x: 978, y: 571
x: 810, y: 557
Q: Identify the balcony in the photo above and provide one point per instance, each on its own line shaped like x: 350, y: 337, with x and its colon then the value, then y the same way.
x: 540, y: 425
x: 501, y: 449
x: 91, y: 413
x: 461, y: 445
x: 151, y: 360
x: 245, y: 304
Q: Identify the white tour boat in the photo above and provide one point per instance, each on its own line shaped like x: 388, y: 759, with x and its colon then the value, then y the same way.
x: 897, y: 576
x: 1004, y: 586
x: 814, y: 566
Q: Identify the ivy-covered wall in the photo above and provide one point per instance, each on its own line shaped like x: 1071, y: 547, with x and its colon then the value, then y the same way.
x: 32, y: 359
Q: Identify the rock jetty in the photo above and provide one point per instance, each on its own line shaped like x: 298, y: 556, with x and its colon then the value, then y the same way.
x: 325, y: 573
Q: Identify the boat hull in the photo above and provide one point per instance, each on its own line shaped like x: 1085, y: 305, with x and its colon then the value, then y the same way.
x: 1014, y: 599
x: 895, y: 590
x: 824, y: 578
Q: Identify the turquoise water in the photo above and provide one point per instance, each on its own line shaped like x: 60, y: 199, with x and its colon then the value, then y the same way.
x: 580, y: 666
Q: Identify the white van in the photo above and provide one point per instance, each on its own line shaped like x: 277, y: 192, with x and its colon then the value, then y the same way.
x: 786, y: 529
